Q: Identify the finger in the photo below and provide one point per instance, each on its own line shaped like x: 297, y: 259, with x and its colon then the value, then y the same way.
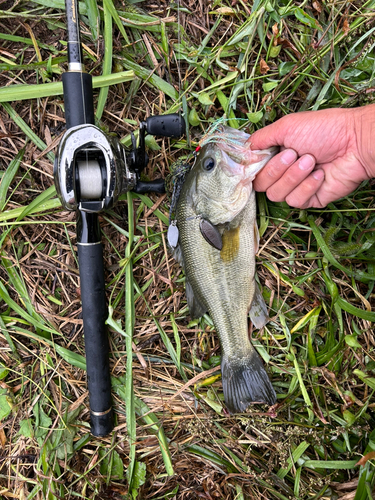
x: 274, y: 169
x: 272, y: 135
x: 292, y: 178
x: 305, y: 194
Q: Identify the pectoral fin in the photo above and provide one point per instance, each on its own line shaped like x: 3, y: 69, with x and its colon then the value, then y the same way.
x: 256, y: 238
x: 196, y: 308
x: 258, y: 311
x: 211, y: 234
x: 177, y: 254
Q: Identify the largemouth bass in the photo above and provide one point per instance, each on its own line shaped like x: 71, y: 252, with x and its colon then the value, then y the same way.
x: 217, y: 242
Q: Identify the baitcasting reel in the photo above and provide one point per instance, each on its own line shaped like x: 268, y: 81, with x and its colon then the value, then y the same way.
x: 92, y: 169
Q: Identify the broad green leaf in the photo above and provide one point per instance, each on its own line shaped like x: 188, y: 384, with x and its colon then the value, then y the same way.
x: 151, y: 143
x: 111, y: 463
x: 255, y: 117
x: 286, y: 67
x: 3, y: 371
x: 194, y: 119
x: 42, y: 423
x: 139, y: 477
x: 205, y: 99
x: 351, y: 341
x: 5, y: 406
x: 268, y: 86
x: 26, y: 428
x: 275, y: 50
x: 370, y: 381
x: 63, y: 436
x: 306, y: 19
x: 349, y: 417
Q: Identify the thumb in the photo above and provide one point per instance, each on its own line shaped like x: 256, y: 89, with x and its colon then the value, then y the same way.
x: 272, y: 135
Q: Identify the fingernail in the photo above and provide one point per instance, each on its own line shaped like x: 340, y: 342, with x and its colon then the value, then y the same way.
x: 306, y: 162
x: 318, y: 175
x: 288, y: 156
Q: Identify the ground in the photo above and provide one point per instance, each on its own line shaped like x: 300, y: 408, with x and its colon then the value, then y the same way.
x: 252, y: 62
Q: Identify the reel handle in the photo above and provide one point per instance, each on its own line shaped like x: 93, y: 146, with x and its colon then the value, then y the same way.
x: 156, y: 186
x: 172, y: 125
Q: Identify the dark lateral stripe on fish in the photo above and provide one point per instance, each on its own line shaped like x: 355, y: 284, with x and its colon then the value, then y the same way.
x: 245, y: 381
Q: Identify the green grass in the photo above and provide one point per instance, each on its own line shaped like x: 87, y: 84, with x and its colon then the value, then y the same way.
x: 173, y: 438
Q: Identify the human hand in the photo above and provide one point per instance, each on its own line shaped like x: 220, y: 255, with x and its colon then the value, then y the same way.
x: 324, y: 155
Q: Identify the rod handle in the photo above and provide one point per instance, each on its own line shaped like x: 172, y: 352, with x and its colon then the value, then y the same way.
x: 78, y: 99
x: 94, y: 312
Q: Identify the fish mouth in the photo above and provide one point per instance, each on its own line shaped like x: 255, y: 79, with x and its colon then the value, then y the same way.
x: 248, y: 164
x: 241, y: 176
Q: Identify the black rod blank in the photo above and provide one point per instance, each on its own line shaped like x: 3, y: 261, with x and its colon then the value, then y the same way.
x: 74, y: 42
x: 79, y: 110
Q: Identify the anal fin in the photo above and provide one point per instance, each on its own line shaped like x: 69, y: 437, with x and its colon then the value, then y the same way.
x: 258, y: 311
x: 196, y: 308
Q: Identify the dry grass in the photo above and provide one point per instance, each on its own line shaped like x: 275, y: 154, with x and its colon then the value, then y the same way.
x: 308, y: 447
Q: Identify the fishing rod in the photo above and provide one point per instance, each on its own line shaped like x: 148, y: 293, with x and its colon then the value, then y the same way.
x: 91, y: 170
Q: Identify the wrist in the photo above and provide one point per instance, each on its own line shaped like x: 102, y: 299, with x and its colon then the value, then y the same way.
x: 364, y: 123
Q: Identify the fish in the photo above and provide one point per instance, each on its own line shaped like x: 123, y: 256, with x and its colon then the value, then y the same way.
x: 216, y: 245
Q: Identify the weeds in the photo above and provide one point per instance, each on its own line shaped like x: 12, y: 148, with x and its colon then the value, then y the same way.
x: 254, y: 62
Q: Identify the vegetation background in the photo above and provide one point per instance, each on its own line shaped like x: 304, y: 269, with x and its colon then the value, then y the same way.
x: 252, y: 61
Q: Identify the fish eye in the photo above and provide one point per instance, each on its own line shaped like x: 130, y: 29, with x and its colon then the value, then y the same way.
x: 209, y: 164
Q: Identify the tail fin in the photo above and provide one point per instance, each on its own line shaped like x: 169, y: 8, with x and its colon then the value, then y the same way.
x: 245, y: 381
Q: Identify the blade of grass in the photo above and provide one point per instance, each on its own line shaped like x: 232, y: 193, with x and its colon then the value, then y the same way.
x: 40, y: 207
x: 26, y: 92
x: 151, y: 79
x: 36, y: 323
x: 330, y: 464
x: 24, y: 127
x: 93, y: 17
x: 296, y: 455
x: 39, y: 201
x: 129, y: 328
x: 107, y: 59
x: 108, y: 5
x: 8, y: 177
x: 8, y: 338
x: 166, y: 340
x: 328, y: 254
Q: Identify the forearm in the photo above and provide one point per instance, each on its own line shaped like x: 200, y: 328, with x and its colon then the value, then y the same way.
x: 365, y: 135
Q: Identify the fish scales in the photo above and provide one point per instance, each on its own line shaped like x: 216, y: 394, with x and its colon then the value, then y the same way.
x: 220, y: 275
x: 225, y: 290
